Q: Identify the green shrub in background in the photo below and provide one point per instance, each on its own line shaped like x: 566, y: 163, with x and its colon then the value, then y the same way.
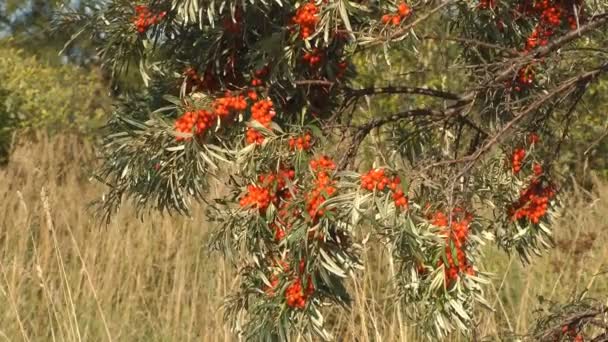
x: 36, y: 95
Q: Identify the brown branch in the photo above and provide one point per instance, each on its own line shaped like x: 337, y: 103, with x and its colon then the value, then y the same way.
x: 468, y: 41
x: 402, y: 90
x: 363, y: 130
x: 594, y: 22
x: 315, y: 82
x: 556, y: 330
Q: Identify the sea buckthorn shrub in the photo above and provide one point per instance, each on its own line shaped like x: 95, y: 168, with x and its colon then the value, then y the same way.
x: 265, y: 97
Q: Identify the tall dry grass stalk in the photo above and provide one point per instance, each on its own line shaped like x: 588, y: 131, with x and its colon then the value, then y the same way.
x: 63, y: 277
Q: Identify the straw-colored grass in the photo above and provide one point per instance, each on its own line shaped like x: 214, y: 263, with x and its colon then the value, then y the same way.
x: 63, y: 277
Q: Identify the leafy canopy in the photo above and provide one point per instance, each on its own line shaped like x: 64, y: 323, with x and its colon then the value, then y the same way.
x: 265, y: 96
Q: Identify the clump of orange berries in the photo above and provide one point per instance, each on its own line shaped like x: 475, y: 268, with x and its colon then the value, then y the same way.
x: 194, y: 81
x: 270, y: 189
x: 228, y: 104
x: 534, y: 199
x: 342, y: 66
x: 259, y: 75
x: 525, y: 78
x: 313, y: 58
x: 262, y: 111
x: 296, y: 296
x: 533, y: 202
x: 144, y: 18
x: 570, y: 331
x: 517, y: 159
x: 323, y: 186
x: 403, y: 11
x: 301, y: 143
x: 456, y: 239
x: 376, y: 179
x: 307, y: 18
x: 486, y: 4
x: 194, y: 122
x: 199, y: 121
x: 257, y: 197
x: 519, y: 154
x: 253, y: 136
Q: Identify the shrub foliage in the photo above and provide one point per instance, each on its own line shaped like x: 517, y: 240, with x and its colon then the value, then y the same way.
x: 264, y: 95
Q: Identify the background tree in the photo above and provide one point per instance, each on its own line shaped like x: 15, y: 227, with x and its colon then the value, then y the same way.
x: 37, y: 95
x: 265, y: 94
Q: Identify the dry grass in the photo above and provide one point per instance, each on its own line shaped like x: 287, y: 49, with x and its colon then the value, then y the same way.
x: 65, y: 278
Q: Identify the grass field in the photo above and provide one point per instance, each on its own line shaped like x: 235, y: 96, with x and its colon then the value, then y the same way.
x: 63, y: 277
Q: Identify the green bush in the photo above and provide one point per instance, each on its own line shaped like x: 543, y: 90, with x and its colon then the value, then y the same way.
x: 36, y: 95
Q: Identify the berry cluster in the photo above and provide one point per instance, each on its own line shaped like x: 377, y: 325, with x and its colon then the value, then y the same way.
x: 525, y: 78
x: 551, y: 15
x: 194, y: 122
x: 376, y: 179
x: 253, y: 136
x: 301, y: 143
x: 533, y: 202
x: 313, y: 58
x: 307, y: 18
x: 516, y: 159
x: 258, y: 75
x: 199, y: 121
x: 144, y: 18
x: 263, y: 112
x: 403, y: 11
x: 486, y: 4
x: 271, y: 188
x: 533, y: 138
x: 296, y: 296
x: 257, y: 197
x: 537, y: 169
x: 571, y: 332
x: 195, y: 82
x: 229, y: 104
x: 323, y: 186
x: 456, y: 238
x: 519, y: 154
x: 342, y: 66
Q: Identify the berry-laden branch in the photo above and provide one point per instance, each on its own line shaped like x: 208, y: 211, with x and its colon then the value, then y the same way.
x: 580, y: 320
x: 493, y: 140
x: 272, y: 99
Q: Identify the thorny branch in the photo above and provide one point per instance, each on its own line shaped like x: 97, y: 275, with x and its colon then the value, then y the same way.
x: 574, y: 319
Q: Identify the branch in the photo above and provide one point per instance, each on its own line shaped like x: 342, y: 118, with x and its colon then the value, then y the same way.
x: 509, y: 51
x: 315, y: 82
x: 555, y: 330
x: 594, y: 22
x: 402, y: 90
x: 404, y: 30
x: 471, y: 159
x: 554, y: 45
x: 363, y: 130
